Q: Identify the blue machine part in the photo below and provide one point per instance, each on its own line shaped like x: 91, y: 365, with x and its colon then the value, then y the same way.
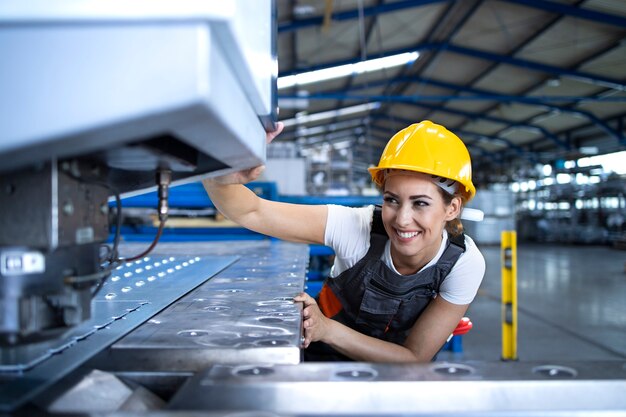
x: 193, y: 196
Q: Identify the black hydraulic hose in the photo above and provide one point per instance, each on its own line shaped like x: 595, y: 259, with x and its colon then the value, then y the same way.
x: 164, y: 178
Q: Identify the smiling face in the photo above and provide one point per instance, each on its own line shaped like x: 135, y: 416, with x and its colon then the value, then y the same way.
x: 414, y: 215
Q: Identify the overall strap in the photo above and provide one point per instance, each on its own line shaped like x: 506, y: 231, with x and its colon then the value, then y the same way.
x: 378, y: 235
x: 377, y: 221
x: 454, y: 250
x: 330, y: 298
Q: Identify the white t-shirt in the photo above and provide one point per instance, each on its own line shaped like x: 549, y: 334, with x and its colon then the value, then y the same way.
x: 348, y: 233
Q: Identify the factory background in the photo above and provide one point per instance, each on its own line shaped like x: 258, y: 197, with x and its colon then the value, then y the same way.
x: 536, y: 89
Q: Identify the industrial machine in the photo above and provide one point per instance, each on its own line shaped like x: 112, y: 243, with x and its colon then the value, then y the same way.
x: 102, y: 100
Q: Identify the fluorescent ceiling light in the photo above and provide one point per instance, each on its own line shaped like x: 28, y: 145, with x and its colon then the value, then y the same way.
x: 316, y: 130
x: 348, y: 69
x: 326, y: 140
x: 315, y: 117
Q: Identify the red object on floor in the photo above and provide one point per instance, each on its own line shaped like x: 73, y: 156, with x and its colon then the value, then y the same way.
x: 463, y: 327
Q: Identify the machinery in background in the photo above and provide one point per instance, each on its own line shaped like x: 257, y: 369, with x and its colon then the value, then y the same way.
x: 103, y: 100
x: 498, y: 207
x: 574, y: 213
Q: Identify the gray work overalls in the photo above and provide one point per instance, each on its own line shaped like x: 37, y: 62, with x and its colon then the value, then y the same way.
x: 374, y: 300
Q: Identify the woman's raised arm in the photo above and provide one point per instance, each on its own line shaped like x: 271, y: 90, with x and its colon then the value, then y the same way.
x: 292, y: 222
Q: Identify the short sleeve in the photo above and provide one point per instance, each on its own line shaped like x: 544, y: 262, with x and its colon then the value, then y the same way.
x: 348, y: 233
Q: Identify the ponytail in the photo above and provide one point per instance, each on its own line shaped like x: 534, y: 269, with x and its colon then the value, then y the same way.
x: 454, y: 227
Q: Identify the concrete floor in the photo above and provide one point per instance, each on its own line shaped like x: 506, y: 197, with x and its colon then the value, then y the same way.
x: 571, y: 306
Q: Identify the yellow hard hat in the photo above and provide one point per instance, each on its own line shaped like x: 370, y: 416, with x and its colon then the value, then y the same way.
x: 429, y: 148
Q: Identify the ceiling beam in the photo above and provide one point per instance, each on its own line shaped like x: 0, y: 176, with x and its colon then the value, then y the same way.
x: 323, y: 129
x: 543, y: 101
x: 578, y: 12
x: 488, y: 56
x: 478, y: 95
x: 479, y: 116
x: 518, y: 149
x: 550, y: 6
x: 537, y: 66
x: 528, y: 147
x: 450, y: 22
x: 298, y: 24
x: 516, y: 49
x: 364, y: 38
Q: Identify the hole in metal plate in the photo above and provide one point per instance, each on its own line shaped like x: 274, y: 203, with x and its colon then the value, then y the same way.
x: 192, y: 333
x: 253, y: 371
x: 356, y: 374
x: 452, y: 369
x: 216, y: 308
x: 272, y: 343
x: 270, y: 320
x: 555, y: 371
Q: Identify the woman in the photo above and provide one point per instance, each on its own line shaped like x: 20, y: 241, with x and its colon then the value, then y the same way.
x: 404, y: 275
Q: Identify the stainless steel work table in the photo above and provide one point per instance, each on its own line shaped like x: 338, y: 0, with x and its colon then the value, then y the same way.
x: 180, y: 309
x: 243, y: 314
x: 439, y: 388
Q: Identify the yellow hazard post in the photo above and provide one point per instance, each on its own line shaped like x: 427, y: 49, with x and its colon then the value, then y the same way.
x: 509, y: 295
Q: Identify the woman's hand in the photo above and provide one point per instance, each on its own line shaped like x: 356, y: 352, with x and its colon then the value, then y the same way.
x: 316, y: 325
x: 269, y: 136
x: 247, y: 175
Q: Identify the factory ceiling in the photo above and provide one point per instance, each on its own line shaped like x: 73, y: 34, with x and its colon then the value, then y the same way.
x: 522, y: 82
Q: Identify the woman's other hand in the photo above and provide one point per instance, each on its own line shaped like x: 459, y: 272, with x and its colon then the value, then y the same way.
x: 316, y: 325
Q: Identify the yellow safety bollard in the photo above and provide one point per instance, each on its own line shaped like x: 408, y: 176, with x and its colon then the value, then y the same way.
x: 509, y: 295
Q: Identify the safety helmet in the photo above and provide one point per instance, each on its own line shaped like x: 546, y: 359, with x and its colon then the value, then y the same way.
x: 431, y: 149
